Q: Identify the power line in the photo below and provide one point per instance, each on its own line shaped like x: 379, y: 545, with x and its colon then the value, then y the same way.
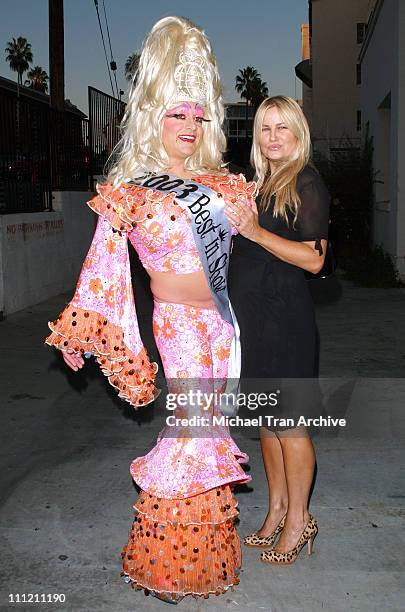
x: 113, y: 64
x: 105, y: 51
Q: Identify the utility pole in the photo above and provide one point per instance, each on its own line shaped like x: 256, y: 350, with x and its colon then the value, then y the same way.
x: 57, y: 54
x: 57, y: 90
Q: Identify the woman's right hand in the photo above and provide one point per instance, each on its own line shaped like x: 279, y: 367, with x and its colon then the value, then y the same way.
x: 74, y: 360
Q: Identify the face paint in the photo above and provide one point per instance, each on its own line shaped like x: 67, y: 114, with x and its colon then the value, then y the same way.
x: 184, y: 107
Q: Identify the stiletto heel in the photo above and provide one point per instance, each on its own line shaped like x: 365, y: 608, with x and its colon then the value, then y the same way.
x: 255, y: 541
x: 307, y: 536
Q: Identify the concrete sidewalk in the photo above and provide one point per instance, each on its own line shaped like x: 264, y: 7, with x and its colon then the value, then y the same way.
x: 66, y: 492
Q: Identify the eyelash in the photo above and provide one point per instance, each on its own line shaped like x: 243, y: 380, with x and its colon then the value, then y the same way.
x: 281, y: 127
x: 181, y: 116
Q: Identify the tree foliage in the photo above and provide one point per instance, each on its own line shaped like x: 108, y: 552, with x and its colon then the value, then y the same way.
x: 131, y: 66
x: 19, y: 56
x: 37, y: 79
x: 350, y: 179
x: 249, y: 85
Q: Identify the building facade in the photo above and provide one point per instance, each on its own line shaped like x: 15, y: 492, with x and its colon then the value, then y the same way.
x: 235, y: 120
x: 333, y: 107
x: 238, y: 142
x: 304, y: 72
x: 382, y: 60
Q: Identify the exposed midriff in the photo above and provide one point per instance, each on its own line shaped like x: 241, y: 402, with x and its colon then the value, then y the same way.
x: 190, y: 289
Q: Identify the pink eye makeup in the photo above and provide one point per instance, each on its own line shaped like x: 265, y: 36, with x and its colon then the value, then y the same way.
x: 180, y: 112
x: 199, y: 111
x: 182, y: 108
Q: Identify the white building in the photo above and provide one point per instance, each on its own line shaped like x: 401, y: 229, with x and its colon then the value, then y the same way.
x: 382, y: 60
x: 235, y: 120
x: 330, y: 68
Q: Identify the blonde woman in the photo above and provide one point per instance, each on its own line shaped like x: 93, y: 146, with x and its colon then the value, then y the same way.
x: 276, y: 244
x: 165, y: 194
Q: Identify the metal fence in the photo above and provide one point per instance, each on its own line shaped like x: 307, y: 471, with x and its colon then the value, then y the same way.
x: 70, y: 151
x: 40, y: 150
x: 25, y: 175
x: 105, y: 115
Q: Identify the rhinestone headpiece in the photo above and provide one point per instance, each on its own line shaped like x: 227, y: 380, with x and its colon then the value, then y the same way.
x: 191, y: 78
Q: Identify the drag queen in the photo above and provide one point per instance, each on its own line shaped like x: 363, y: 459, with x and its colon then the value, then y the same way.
x: 165, y: 194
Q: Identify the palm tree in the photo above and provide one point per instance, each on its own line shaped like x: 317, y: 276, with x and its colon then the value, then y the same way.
x: 244, y: 86
x: 37, y: 79
x: 131, y: 66
x: 259, y: 92
x: 19, y: 56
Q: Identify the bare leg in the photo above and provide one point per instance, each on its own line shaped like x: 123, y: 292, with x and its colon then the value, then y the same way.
x: 278, y: 495
x: 299, y: 463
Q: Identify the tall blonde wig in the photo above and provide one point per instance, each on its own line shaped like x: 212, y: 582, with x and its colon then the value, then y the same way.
x: 154, y: 91
x: 282, y: 183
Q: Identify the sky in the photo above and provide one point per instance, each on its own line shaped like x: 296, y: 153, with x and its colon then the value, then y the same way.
x: 265, y: 34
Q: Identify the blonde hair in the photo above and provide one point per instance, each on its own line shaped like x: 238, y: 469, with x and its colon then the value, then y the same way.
x: 282, y: 183
x: 154, y: 91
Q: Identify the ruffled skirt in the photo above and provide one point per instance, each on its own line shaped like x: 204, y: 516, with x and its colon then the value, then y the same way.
x: 179, y: 547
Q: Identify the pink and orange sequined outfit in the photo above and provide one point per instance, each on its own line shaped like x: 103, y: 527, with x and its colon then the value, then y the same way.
x: 183, y: 539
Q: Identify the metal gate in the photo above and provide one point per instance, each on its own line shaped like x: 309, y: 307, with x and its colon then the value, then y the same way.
x: 41, y: 149
x: 105, y: 115
x: 25, y: 166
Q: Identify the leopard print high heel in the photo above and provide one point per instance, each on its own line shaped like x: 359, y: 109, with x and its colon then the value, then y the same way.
x: 255, y: 541
x: 308, y: 535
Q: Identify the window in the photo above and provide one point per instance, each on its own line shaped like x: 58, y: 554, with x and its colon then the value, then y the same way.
x: 358, y: 74
x: 359, y: 120
x: 361, y: 32
x: 232, y: 127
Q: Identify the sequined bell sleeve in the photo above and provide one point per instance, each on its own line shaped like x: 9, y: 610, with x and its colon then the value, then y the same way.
x: 101, y: 318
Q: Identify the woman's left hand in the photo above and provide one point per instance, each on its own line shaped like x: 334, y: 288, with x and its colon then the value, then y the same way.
x: 244, y: 218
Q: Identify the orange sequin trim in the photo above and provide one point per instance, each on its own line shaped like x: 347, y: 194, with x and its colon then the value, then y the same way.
x: 88, y: 331
x: 184, y: 547
x: 122, y: 206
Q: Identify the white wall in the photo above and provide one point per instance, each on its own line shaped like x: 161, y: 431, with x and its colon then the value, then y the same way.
x: 383, y: 74
x: 41, y: 253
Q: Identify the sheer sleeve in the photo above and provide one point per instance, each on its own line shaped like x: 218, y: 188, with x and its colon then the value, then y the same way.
x: 313, y: 216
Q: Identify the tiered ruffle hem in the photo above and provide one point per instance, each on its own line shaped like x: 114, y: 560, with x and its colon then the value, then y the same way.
x: 180, y: 547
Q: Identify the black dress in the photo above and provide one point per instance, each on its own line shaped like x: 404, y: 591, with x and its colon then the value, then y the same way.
x: 274, y: 307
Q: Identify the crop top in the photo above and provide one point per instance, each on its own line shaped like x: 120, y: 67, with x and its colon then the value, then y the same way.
x: 160, y: 229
